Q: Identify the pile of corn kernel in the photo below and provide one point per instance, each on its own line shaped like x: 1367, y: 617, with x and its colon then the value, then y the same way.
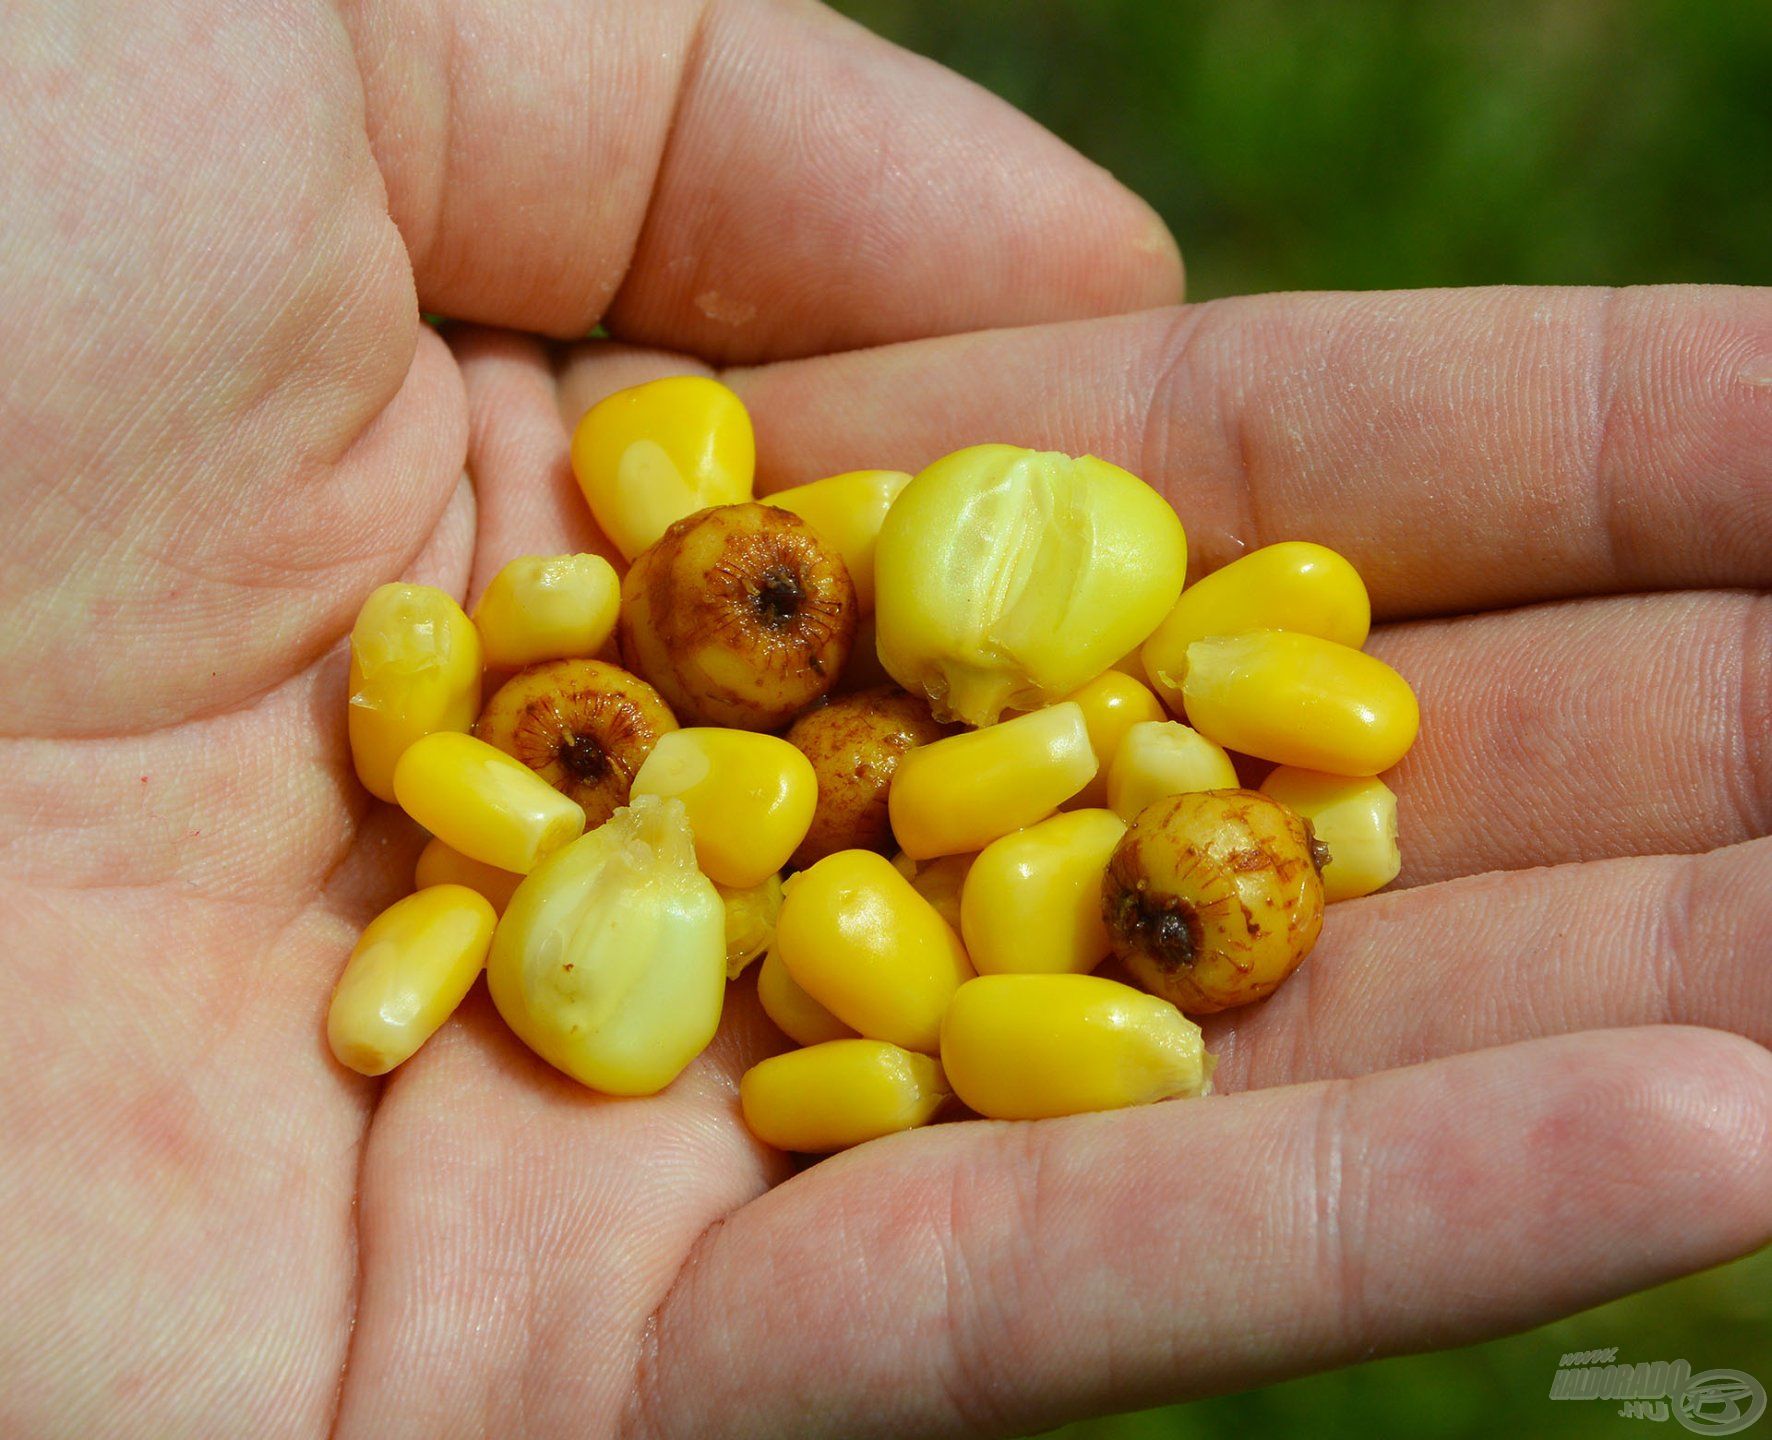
x: 941, y: 706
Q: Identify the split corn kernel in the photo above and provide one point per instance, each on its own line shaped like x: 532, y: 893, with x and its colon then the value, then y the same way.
x: 1355, y: 817
x: 478, y: 800
x: 961, y: 793
x: 1006, y: 578
x: 1294, y: 585
x: 847, y: 511
x: 1164, y: 757
x: 828, y: 1097
x: 750, y: 921
x: 1027, y: 1047
x: 410, y: 969
x: 610, y: 962
x: 939, y: 881
x: 863, y: 943
x: 1113, y: 702
x: 548, y: 607
x: 648, y: 456
x: 440, y: 864
x: 750, y: 797
x: 1032, y: 901
x: 795, y: 1013
x: 415, y: 668
x: 1297, y: 699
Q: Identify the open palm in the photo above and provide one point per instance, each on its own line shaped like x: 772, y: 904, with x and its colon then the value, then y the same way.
x: 225, y: 424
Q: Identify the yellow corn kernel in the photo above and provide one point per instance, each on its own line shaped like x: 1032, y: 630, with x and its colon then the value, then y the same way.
x: 1296, y: 699
x: 1355, y: 818
x: 750, y: 921
x: 939, y: 881
x: 795, y: 1013
x: 411, y: 967
x: 1164, y: 757
x: 961, y: 793
x: 847, y: 511
x: 1032, y: 901
x: 1006, y: 578
x: 750, y: 797
x: 1290, y: 586
x: 415, y: 668
x: 1026, y: 1047
x: 548, y: 607
x: 478, y: 800
x: 1112, y: 703
x: 863, y: 943
x: 831, y: 1096
x: 610, y: 962
x: 647, y: 456
x: 439, y: 864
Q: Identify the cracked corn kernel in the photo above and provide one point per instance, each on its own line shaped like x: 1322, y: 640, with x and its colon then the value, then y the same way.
x: 847, y: 511
x: 1032, y: 900
x: 1164, y: 757
x: 548, y: 607
x: 840, y: 1093
x: 478, y: 800
x: 750, y: 921
x: 1356, y: 818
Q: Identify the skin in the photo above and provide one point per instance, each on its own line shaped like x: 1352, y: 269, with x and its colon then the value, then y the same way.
x: 226, y: 424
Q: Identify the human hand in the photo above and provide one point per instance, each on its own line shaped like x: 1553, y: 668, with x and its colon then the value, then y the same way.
x: 229, y: 426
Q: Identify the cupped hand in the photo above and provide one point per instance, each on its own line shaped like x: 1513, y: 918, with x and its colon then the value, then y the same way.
x: 225, y: 424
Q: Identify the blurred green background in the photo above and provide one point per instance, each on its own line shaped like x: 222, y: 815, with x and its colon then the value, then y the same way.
x: 1303, y: 144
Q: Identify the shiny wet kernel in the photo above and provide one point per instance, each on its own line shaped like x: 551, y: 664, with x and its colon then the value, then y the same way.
x: 1113, y: 702
x: 840, y: 1093
x: 1356, y: 818
x: 548, y: 607
x: 478, y: 800
x: 1164, y: 757
x: 1032, y: 900
x: 795, y: 1013
x: 440, y: 864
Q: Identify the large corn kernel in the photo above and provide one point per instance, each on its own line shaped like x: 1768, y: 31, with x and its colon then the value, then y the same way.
x: 939, y: 881
x: 475, y: 798
x: 847, y: 511
x: 548, y: 607
x: 410, y: 969
x: 415, y: 668
x: 648, y: 456
x: 750, y: 797
x: 440, y: 864
x: 1032, y: 902
x: 1006, y: 578
x: 1026, y: 1047
x: 610, y: 962
x: 750, y: 921
x: 864, y: 944
x: 961, y: 793
x: 795, y: 1013
x: 1355, y: 818
x: 831, y: 1096
x: 1290, y: 586
x: 1113, y: 702
x: 1300, y: 700
x: 1164, y: 757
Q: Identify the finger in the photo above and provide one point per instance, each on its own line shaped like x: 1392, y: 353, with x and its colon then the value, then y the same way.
x: 1400, y: 978
x: 1465, y: 448
x: 999, y: 1278
x: 1584, y: 730
x: 736, y: 179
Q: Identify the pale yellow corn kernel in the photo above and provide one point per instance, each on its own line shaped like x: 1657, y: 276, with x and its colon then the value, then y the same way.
x: 961, y: 793
x: 440, y: 864
x: 750, y: 797
x: 938, y: 880
x: 847, y: 511
x: 861, y: 941
x: 1164, y: 757
x: 411, y: 967
x: 548, y: 607
x: 1006, y: 578
x: 1296, y: 699
x: 610, y: 962
x: 415, y: 668
x: 1294, y: 585
x: 1112, y: 703
x: 1032, y: 901
x: 1026, y: 1047
x: 840, y: 1093
x: 795, y: 1013
x: 750, y: 921
x: 478, y: 800
x: 648, y: 456
x: 1355, y: 817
